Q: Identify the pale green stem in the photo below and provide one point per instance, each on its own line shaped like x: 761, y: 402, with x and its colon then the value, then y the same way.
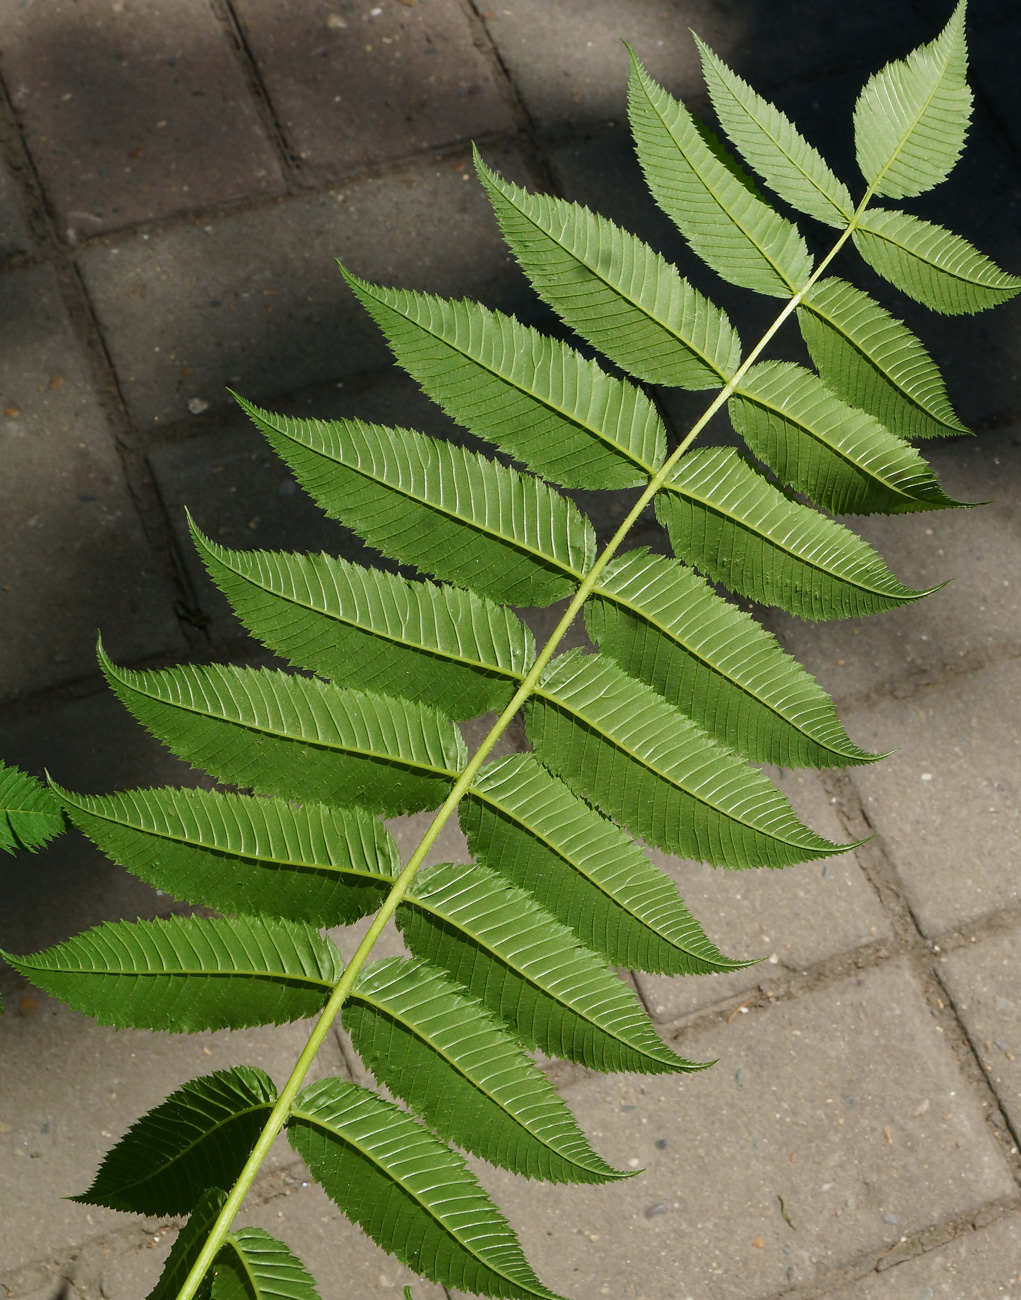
x: 278, y: 1115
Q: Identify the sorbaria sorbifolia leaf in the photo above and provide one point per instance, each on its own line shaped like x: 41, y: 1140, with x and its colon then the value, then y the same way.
x: 647, y: 737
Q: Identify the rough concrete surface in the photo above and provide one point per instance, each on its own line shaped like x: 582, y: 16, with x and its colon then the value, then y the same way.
x: 177, y: 181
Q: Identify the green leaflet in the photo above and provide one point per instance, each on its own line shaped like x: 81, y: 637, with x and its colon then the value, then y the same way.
x: 371, y: 629
x: 310, y: 862
x: 425, y: 502
x: 530, y: 971
x: 527, y: 825
x: 930, y: 264
x: 618, y: 743
x: 773, y: 146
x: 911, y: 118
x: 713, y: 204
x: 29, y: 814
x: 183, y: 974
x: 534, y: 397
x: 873, y: 361
x: 198, y: 1138
x: 408, y: 1191
x: 296, y: 736
x: 839, y: 457
x: 663, y: 624
x: 253, y: 1265
x: 186, y: 1248
x: 458, y: 1067
x: 614, y: 290
x: 738, y: 529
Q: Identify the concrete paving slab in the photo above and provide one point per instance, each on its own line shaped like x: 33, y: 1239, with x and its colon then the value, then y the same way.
x: 842, y: 1112
x: 254, y: 300
x: 977, y: 615
x: 945, y: 805
x: 76, y: 559
x: 60, y: 1121
x: 568, y: 83
x: 241, y: 494
x: 784, y: 920
x: 353, y: 85
x: 92, y: 745
x: 982, y: 980
x: 984, y: 1263
x: 133, y: 111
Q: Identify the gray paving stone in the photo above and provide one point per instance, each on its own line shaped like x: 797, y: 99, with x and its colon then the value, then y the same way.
x: 567, y: 61
x: 568, y: 82
x: 982, y: 980
x: 92, y: 745
x: 795, y: 39
x: 978, y: 614
x: 823, y: 1079
x: 945, y: 805
x: 75, y: 559
x: 241, y: 494
x: 785, y: 920
x: 60, y: 1118
x: 254, y: 300
x: 133, y: 111
x: 985, y: 1263
x: 14, y: 236
x: 353, y: 85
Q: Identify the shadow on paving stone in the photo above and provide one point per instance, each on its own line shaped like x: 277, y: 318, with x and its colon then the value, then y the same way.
x: 128, y: 118
x: 94, y: 746
x: 382, y: 82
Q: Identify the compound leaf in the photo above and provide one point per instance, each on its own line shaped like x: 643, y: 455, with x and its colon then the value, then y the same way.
x: 311, y: 862
x: 530, y: 970
x: 663, y: 624
x: 200, y: 1137
x: 873, y: 361
x: 533, y: 396
x: 614, y: 290
x: 618, y: 743
x: 296, y: 736
x: 710, y: 200
x: 183, y: 974
x: 375, y: 630
x: 29, y: 814
x: 930, y: 264
x: 447, y: 511
x: 737, y: 528
x: 841, y: 458
x: 457, y: 1066
x: 772, y: 145
x: 253, y: 1265
x: 912, y: 116
x: 526, y: 824
x: 409, y: 1192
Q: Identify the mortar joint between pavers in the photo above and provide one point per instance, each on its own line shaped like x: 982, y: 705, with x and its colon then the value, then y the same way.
x: 237, y: 41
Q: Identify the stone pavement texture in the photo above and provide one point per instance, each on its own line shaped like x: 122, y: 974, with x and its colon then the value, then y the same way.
x: 176, y: 181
